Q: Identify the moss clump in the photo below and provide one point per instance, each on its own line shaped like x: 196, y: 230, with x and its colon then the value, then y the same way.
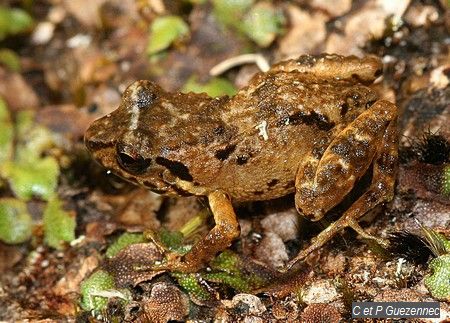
x: 438, y: 283
x: 229, y: 269
x: 191, y: 284
x: 446, y: 180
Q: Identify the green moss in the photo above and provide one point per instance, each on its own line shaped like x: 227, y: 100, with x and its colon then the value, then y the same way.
x: 438, y: 283
x: 190, y: 283
x: 446, y: 180
x: 228, y: 269
x: 226, y: 261
x: 123, y: 241
x: 15, y: 221
x: 234, y: 281
x: 59, y: 225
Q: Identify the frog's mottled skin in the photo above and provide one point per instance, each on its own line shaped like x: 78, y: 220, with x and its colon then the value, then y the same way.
x: 309, y: 126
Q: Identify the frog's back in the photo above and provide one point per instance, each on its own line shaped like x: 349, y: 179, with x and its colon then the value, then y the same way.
x: 279, y: 119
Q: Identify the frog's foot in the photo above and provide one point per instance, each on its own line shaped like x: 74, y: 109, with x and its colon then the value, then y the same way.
x: 322, y: 184
x: 218, y: 239
x: 154, y: 238
x: 172, y: 262
x: 380, y: 241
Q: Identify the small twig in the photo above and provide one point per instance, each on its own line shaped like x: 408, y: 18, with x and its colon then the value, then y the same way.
x: 257, y: 59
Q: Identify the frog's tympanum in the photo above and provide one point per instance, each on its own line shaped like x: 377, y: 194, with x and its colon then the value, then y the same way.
x: 309, y: 126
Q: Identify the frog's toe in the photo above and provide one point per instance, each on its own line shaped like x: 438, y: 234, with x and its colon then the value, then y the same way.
x: 174, y: 262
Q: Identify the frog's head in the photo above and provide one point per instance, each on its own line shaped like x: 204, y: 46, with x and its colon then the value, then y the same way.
x: 126, y: 140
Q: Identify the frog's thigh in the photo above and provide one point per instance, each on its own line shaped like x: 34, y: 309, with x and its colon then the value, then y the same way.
x: 334, y: 177
x: 226, y: 229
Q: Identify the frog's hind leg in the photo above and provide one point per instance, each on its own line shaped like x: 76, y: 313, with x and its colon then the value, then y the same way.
x: 322, y: 184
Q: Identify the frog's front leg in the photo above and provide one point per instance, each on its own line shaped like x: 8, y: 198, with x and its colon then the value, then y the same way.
x: 322, y: 184
x: 226, y: 229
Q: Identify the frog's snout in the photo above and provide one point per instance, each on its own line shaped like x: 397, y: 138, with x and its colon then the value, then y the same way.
x: 99, y: 135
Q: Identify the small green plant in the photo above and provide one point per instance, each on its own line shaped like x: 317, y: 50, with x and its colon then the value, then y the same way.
x: 97, y: 290
x: 30, y: 173
x: 438, y: 281
x: 164, y: 31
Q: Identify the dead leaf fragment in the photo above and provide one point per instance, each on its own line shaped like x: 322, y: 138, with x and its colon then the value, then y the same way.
x: 306, y: 32
x: 85, y: 11
x: 364, y: 24
x: 334, y: 8
x: 272, y: 250
x: 16, y: 91
x: 131, y: 266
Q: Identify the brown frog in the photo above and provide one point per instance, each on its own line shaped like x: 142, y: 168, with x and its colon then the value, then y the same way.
x: 309, y: 126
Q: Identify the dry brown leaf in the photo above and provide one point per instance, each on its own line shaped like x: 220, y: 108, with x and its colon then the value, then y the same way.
x: 305, y: 35
x: 15, y: 90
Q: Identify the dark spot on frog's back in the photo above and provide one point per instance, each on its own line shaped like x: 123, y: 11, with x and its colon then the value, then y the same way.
x: 311, y: 119
x: 272, y: 182
x: 144, y: 95
x: 175, y: 167
x: 223, y: 154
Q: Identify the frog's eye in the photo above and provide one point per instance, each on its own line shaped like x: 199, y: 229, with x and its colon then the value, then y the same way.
x: 131, y: 161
